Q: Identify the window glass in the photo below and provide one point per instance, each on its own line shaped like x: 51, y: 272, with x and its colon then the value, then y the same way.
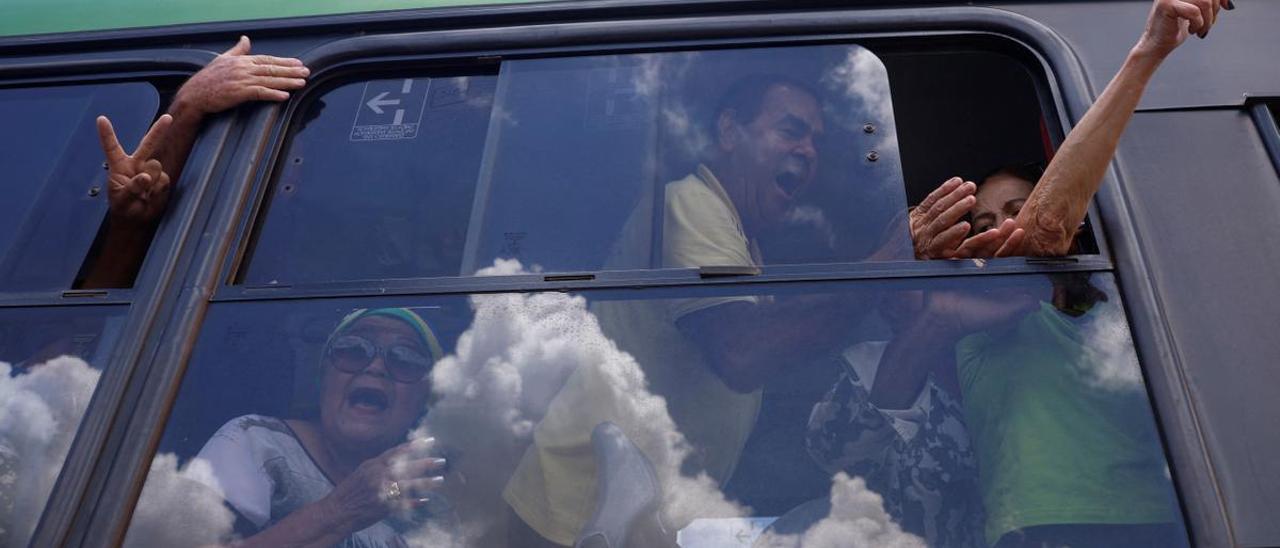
x: 377, y: 182
x: 50, y: 361
x: 55, y: 193
x: 739, y: 157
x: 983, y: 411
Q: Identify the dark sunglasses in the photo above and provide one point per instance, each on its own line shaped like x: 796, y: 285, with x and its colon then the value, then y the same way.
x: 353, y: 353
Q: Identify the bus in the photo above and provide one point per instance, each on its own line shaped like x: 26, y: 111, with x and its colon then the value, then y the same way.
x: 453, y: 291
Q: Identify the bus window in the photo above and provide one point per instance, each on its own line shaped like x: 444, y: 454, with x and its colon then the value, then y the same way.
x: 947, y: 411
x: 360, y: 197
x: 582, y: 164
x: 55, y: 185
x: 50, y: 361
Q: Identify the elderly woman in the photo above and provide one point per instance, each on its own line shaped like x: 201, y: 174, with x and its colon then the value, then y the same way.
x: 345, y: 477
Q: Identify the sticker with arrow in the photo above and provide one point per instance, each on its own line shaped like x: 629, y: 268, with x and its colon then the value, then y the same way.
x: 390, y: 109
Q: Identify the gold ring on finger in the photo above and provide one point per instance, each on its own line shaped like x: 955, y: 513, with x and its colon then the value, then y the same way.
x: 391, y: 491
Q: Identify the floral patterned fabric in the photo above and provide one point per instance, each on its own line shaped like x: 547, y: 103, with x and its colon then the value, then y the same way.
x: 919, y: 459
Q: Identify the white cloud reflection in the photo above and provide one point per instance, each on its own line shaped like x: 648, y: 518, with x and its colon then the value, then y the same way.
x: 1108, y: 361
x: 857, y: 519
x: 179, y: 506
x: 40, y: 411
x: 861, y: 79
x: 815, y: 218
x: 657, y: 79
x: 508, y: 367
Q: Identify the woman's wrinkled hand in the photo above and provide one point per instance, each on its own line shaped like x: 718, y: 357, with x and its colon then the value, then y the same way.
x: 399, y: 479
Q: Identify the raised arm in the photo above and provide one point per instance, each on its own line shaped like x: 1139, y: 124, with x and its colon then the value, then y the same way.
x: 139, y: 190
x: 1057, y: 206
x: 1047, y: 223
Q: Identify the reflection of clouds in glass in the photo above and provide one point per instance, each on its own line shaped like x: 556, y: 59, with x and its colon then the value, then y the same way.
x: 861, y: 79
x: 40, y: 410
x: 1108, y: 361
x: 503, y: 115
x: 654, y: 76
x: 815, y: 218
x: 857, y: 518
x: 179, y: 506
x: 507, y: 368
x: 461, y: 85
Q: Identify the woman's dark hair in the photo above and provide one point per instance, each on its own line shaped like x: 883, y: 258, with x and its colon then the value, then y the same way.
x: 1028, y: 171
x: 1074, y: 293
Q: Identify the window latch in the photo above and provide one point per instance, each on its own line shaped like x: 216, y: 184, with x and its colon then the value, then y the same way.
x: 1052, y: 260
x: 84, y: 293
x: 726, y: 271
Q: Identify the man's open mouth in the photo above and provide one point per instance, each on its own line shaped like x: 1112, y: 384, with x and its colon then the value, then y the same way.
x: 790, y: 183
x: 367, y: 399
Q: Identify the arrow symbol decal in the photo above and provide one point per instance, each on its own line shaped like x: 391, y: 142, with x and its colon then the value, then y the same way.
x: 380, y: 101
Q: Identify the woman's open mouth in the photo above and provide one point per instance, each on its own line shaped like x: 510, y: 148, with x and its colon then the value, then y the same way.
x: 367, y: 400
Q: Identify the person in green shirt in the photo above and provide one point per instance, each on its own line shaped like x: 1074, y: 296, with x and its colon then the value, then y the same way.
x: 1067, y: 450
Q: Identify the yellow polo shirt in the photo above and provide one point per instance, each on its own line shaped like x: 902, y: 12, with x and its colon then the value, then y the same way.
x: 553, y: 489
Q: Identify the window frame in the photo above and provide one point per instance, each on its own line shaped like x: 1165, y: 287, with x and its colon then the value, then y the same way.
x: 246, y: 173
x: 1263, y: 108
x: 156, y: 276
x: 326, y: 73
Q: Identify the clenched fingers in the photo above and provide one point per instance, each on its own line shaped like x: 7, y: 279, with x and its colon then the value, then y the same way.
x: 137, y: 186
x: 153, y: 168
x: 160, y: 189
x: 1208, y: 12
x: 1192, y: 13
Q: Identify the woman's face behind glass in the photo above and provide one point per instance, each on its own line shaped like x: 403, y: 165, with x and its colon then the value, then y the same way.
x: 369, y: 408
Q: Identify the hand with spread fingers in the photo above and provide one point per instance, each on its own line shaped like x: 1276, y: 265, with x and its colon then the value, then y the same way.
x: 233, y: 78
x: 236, y: 77
x: 398, y: 480
x: 939, y: 230
x: 137, y: 185
x: 937, y: 224
x: 1005, y: 240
